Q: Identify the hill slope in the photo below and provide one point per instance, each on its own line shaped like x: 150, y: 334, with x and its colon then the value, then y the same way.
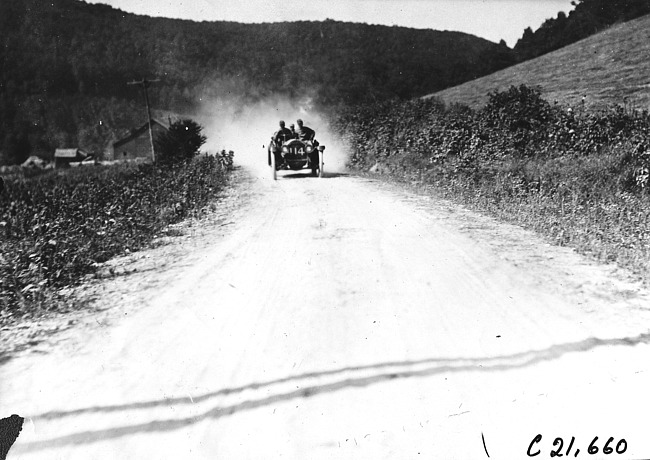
x: 611, y: 67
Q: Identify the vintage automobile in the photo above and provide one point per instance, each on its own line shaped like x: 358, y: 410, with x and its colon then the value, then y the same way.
x: 295, y: 154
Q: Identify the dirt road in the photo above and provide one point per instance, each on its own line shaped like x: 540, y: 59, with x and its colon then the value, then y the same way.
x: 339, y: 318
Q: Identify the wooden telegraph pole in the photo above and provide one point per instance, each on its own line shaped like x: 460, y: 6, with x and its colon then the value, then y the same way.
x: 145, y: 84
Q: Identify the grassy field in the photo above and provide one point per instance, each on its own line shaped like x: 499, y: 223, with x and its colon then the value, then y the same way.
x: 58, y: 227
x: 612, y: 67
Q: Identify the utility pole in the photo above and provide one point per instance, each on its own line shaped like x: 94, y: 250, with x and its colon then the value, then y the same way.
x: 145, y: 84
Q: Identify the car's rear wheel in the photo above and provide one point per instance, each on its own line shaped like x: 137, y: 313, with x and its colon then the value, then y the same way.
x: 320, y: 163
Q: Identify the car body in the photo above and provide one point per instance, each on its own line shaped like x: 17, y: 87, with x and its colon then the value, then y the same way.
x: 296, y: 154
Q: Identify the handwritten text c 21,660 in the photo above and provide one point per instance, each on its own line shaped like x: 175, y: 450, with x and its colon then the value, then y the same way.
x: 611, y: 446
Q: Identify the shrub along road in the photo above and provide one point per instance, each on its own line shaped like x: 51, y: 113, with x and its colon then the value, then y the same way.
x: 344, y: 318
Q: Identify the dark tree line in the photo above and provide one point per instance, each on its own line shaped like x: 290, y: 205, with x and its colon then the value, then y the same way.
x: 587, y: 18
x: 64, y: 65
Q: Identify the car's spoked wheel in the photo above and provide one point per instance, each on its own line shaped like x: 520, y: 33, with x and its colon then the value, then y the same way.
x: 274, y: 174
x: 320, y: 163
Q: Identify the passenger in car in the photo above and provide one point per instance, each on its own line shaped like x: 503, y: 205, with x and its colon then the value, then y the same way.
x: 305, y: 133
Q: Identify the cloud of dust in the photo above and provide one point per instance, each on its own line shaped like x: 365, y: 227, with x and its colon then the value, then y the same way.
x: 246, y: 129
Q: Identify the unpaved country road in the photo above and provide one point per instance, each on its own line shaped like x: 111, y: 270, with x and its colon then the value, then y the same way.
x: 339, y: 318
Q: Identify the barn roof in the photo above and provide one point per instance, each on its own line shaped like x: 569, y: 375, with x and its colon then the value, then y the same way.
x: 138, y: 132
x: 70, y: 153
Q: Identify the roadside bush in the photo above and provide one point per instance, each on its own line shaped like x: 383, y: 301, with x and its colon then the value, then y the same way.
x: 522, y: 114
x: 180, y: 143
x: 517, y: 108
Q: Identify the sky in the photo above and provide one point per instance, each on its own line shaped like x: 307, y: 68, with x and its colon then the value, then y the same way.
x: 490, y: 19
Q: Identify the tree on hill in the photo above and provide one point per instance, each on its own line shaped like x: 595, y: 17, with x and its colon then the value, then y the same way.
x: 587, y: 18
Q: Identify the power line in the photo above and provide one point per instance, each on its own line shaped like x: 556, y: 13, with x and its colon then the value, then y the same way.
x: 145, y: 84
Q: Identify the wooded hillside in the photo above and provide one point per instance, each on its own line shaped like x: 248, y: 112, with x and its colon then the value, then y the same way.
x: 65, y: 65
x: 587, y: 18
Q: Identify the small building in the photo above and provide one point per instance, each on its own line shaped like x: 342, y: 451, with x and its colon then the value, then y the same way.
x: 63, y: 157
x: 137, y: 145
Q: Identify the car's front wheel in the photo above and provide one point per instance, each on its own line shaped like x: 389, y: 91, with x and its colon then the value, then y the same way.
x: 274, y: 173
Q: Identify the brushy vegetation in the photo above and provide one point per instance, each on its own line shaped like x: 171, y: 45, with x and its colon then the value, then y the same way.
x: 58, y: 227
x: 581, y: 178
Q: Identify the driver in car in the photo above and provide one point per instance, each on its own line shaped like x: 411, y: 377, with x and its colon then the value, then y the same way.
x: 305, y: 133
x: 282, y: 135
x: 279, y: 137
